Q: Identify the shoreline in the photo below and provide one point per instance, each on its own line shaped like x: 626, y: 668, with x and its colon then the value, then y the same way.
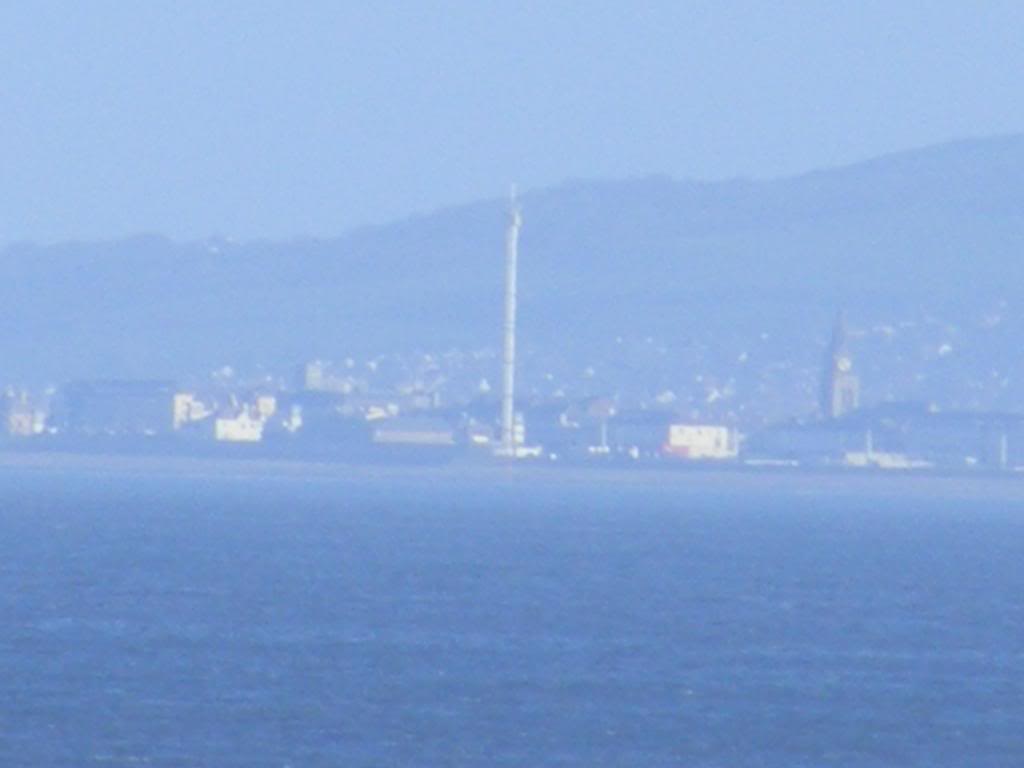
x: 733, y: 478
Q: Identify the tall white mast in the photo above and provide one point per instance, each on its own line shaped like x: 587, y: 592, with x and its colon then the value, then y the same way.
x: 508, y: 437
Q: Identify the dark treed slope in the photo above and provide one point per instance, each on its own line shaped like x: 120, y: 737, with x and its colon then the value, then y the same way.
x: 651, y: 256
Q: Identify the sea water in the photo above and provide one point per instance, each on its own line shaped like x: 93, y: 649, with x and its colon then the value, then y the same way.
x: 359, y: 620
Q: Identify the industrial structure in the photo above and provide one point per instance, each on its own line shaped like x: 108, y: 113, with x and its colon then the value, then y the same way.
x: 116, y: 408
x: 510, y: 440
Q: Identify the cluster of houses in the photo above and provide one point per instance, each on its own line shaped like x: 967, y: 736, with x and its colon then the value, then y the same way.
x: 322, y: 417
x: 331, y: 412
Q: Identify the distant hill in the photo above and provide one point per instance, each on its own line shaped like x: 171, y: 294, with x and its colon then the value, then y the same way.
x: 649, y: 256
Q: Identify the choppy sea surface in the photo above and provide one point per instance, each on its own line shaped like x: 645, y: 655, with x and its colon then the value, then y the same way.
x: 362, y: 621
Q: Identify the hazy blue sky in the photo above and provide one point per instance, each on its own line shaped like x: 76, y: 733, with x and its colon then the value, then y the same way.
x: 253, y: 119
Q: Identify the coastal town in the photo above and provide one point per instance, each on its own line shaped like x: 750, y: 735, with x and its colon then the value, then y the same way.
x: 641, y: 405
x: 448, y: 407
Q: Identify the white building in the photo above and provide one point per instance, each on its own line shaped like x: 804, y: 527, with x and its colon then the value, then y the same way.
x: 701, y: 441
x: 188, y: 408
x: 245, y: 427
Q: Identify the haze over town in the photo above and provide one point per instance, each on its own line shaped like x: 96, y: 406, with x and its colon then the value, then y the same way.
x: 268, y: 204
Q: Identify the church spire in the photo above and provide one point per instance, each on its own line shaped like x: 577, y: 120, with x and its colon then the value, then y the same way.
x: 840, y: 388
